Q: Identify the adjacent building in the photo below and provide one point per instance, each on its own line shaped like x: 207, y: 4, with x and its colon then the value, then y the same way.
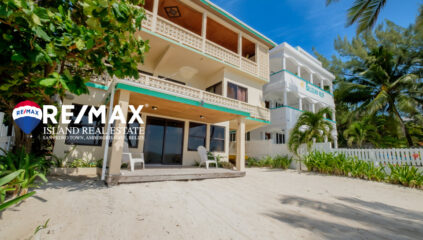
x: 298, y: 83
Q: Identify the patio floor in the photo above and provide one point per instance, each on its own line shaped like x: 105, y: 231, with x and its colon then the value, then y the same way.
x: 157, y: 174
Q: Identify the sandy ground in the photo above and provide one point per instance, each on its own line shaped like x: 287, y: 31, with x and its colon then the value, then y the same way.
x: 266, y: 204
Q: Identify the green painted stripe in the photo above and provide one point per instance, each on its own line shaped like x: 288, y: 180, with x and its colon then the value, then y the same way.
x: 295, y: 75
x: 258, y: 120
x: 239, y: 23
x: 96, y: 85
x: 179, y: 99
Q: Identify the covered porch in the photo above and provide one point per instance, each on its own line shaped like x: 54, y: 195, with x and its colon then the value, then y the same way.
x: 183, y: 110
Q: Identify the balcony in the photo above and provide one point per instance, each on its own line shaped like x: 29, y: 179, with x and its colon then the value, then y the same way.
x: 296, y: 87
x: 210, y: 38
x: 154, y: 84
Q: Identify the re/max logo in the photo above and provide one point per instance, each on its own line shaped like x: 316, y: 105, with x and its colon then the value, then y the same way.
x: 50, y: 113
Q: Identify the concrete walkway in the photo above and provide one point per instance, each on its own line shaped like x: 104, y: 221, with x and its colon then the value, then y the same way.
x: 266, y: 204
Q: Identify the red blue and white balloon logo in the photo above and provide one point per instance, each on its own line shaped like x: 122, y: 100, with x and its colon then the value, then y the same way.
x: 27, y: 115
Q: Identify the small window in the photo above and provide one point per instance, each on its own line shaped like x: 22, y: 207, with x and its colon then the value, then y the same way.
x: 267, y: 136
x: 280, y: 138
x: 216, y: 89
x: 267, y: 104
x: 197, y: 136
x: 132, y: 132
x: 232, y: 136
x: 217, y: 139
x: 84, y: 133
x: 247, y: 136
x: 237, y: 92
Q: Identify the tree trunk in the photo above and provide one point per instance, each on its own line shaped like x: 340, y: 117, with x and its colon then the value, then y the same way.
x: 403, y: 127
x: 22, y: 140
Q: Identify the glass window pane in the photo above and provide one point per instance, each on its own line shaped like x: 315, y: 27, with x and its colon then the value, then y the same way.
x: 197, y: 136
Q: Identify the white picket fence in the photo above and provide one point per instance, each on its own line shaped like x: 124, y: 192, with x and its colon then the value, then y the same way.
x: 408, y: 156
x: 6, y: 142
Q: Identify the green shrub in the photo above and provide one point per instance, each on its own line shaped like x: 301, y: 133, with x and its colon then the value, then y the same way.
x: 252, y: 162
x: 80, y: 163
x: 405, y: 175
x: 280, y: 161
x: 339, y: 164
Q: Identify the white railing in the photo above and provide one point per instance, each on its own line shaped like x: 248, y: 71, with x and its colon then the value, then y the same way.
x: 6, y: 142
x: 179, y: 34
x: 162, y: 85
x: 248, y: 66
x: 184, y: 36
x: 408, y: 156
x: 222, y: 53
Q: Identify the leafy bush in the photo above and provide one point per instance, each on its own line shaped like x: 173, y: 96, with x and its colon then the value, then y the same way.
x: 80, y: 163
x: 18, y: 172
x: 339, y: 164
x: 405, y: 175
x: 278, y: 161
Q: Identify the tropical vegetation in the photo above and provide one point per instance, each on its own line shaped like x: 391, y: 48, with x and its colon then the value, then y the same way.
x: 339, y: 164
x: 19, y: 171
x: 278, y: 161
x: 379, y: 87
x: 50, y: 47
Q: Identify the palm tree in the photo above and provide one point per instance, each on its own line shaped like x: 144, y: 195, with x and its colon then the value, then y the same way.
x: 362, y: 131
x: 310, y: 127
x: 365, y: 12
x: 385, y: 84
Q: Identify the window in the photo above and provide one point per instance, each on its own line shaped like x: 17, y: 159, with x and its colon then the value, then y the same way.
x: 84, y: 133
x: 197, y: 136
x: 232, y: 136
x: 267, y: 103
x: 278, y: 104
x: 237, y: 92
x: 247, y: 136
x: 217, y: 139
x: 217, y: 88
x: 280, y: 138
x: 132, y: 132
x: 267, y: 136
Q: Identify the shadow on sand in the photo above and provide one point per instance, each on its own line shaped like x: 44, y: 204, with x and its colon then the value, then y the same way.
x: 354, y: 219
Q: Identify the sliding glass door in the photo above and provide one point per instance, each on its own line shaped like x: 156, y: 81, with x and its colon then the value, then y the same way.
x: 163, y: 141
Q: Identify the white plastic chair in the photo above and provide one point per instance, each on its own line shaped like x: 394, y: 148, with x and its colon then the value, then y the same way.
x: 132, y: 160
x: 204, y: 158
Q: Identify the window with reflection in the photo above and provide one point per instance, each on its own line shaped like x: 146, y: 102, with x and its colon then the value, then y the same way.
x: 197, y: 136
x: 217, y: 138
x: 237, y: 92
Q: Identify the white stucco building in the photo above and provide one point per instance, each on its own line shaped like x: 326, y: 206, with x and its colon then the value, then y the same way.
x: 298, y: 83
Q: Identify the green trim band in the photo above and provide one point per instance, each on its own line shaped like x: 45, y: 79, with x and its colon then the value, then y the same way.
x: 295, y: 75
x: 299, y: 111
x: 96, y: 85
x: 239, y: 23
x: 179, y: 99
x: 258, y: 120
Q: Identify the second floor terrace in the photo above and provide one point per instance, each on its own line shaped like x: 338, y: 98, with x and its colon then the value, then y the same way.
x: 201, y: 27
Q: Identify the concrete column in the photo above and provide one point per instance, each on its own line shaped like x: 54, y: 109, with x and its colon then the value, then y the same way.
x: 322, y: 84
x: 313, y: 108
x: 155, y: 13
x: 333, y: 115
x: 299, y: 71
x: 300, y: 103
x: 204, y: 31
x: 331, y: 88
x: 335, y: 142
x: 240, y: 145
x: 240, y: 44
x: 311, y: 77
x: 285, y: 97
x: 257, y: 55
x: 122, y: 98
x: 326, y: 139
x: 283, y: 62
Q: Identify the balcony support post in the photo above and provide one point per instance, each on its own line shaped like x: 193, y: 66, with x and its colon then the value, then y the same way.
x: 155, y: 13
x: 285, y: 97
x: 240, y: 48
x: 299, y: 71
x: 300, y: 103
x: 204, y: 31
x: 283, y: 63
x: 322, y: 84
x: 257, y: 58
x: 240, y: 144
x: 311, y: 77
x: 313, y: 108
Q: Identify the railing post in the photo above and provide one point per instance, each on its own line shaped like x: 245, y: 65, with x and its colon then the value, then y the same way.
x: 204, y: 31
x: 155, y: 13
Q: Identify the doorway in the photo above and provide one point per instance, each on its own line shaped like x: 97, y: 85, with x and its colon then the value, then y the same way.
x: 163, y: 142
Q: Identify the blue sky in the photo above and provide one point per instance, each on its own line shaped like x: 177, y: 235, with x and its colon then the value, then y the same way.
x: 309, y: 23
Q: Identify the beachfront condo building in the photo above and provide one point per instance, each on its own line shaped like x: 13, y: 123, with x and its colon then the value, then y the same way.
x: 202, y: 79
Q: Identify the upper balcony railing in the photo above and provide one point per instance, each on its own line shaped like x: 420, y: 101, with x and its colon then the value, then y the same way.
x: 164, y: 86
x: 181, y: 35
